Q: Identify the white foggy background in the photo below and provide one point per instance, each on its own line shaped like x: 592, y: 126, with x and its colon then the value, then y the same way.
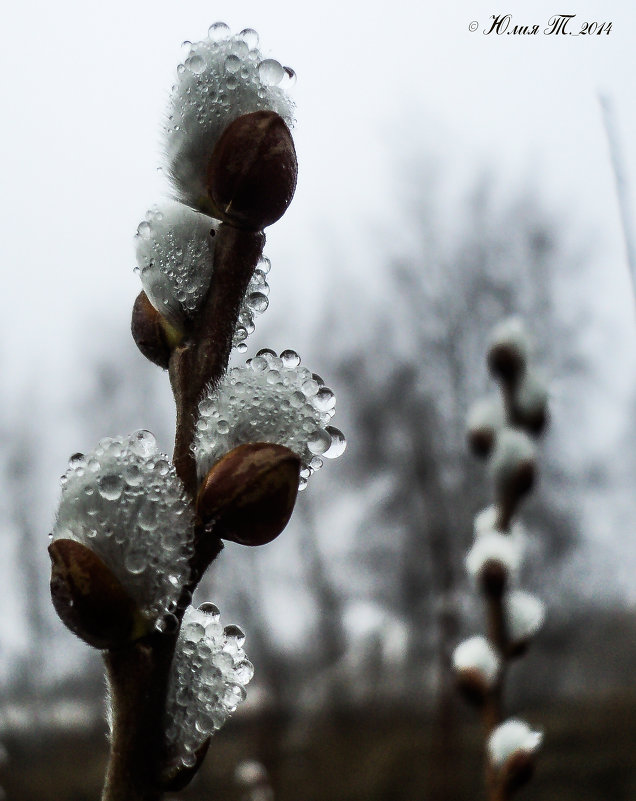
x: 85, y: 87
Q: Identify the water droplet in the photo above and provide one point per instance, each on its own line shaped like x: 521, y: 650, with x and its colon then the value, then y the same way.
x: 133, y: 475
x: 76, y: 460
x: 143, y: 443
x: 232, y: 64
x: 144, y: 230
x: 147, y: 517
x: 319, y: 441
x: 234, y: 636
x: 257, y: 302
x: 290, y: 359
x: 264, y: 265
x: 270, y: 72
x: 193, y: 632
x: 258, y: 364
x: 250, y: 37
x: 110, y: 487
x: 244, y: 671
x: 338, y: 443
x: 266, y: 352
x: 210, y: 609
x: 162, y: 467
x: 233, y: 696
x: 136, y: 562
x: 218, y: 31
x: 195, y: 64
x: 324, y: 400
x: 241, y: 347
x: 310, y: 387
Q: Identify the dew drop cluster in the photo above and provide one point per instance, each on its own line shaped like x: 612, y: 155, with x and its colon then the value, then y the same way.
x: 209, y: 674
x: 174, y: 248
x: 175, y: 257
x: 271, y: 399
x: 221, y: 78
x: 125, y: 502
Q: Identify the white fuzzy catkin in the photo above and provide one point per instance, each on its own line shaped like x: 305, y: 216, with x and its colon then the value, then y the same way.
x: 174, y: 246
x: 476, y: 653
x: 511, y: 333
x: 513, y: 448
x: 485, y: 520
x: 125, y: 502
x: 531, y: 396
x: 222, y: 78
x: 209, y: 674
x: 493, y: 546
x: 175, y: 257
x: 510, y: 737
x: 487, y: 413
x: 271, y: 399
x: 525, y: 614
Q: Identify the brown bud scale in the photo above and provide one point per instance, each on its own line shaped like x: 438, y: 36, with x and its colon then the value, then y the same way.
x: 153, y: 335
x: 252, y: 171
x: 250, y: 493
x: 89, y: 599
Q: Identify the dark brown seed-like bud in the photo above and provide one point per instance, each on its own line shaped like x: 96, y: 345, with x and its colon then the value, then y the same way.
x: 493, y: 578
x: 472, y: 685
x: 517, y: 770
x: 154, y: 336
x: 481, y: 440
x: 506, y: 362
x: 176, y: 777
x: 250, y: 493
x: 89, y: 599
x: 529, y: 405
x: 252, y: 171
x: 511, y: 492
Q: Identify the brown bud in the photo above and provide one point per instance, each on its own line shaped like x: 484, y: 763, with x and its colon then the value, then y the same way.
x: 176, y: 777
x: 517, y: 770
x: 252, y: 171
x: 514, y: 488
x: 529, y: 405
x: 472, y: 686
x: 493, y: 578
x: 250, y: 493
x: 154, y: 336
x: 89, y: 599
x: 506, y: 362
x: 481, y: 440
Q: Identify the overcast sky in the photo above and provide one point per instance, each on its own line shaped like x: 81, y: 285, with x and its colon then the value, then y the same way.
x: 85, y: 86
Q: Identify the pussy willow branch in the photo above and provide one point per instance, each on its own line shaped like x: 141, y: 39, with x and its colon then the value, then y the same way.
x: 492, y: 711
x: 203, y: 358
x: 139, y: 673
